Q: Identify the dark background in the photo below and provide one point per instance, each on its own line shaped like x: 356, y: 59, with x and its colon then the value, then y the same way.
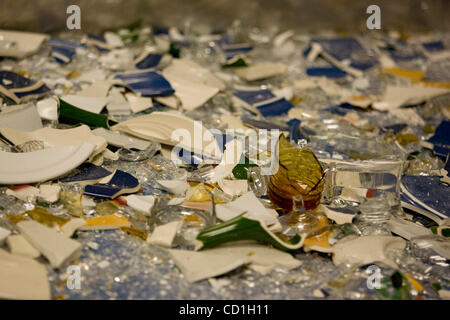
x: 304, y: 15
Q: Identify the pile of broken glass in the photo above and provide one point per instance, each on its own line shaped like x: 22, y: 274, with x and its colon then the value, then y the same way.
x: 162, y: 163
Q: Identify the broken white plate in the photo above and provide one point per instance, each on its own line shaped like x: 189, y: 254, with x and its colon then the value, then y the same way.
x: 99, y: 89
x: 407, y: 229
x: 58, y: 137
x: 138, y: 103
x: 19, y: 44
x: 4, y: 233
x: 199, y: 265
x: 336, y: 216
x: 48, y: 109
x: 20, y: 246
x: 172, y: 129
x: 120, y: 139
x: 69, y: 228
x: 57, y: 248
x: 91, y: 104
x: 366, y: 250
x: 141, y: 203
x: 176, y: 187
x: 188, y: 70
x: 261, y: 70
x: 21, y: 117
x: 22, y: 278
x: 248, y: 202
x: 163, y: 235
x: 49, y: 193
x: 396, y: 97
x: 233, y: 187
x: 42, y: 165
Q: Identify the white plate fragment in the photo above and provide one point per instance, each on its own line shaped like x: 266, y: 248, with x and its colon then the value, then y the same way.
x: 199, y: 265
x: 57, y: 248
x: 366, y: 250
x: 261, y: 70
x: 20, y: 246
x: 141, y: 203
x: 176, y: 187
x: 91, y: 104
x: 164, y: 235
x: 22, y: 278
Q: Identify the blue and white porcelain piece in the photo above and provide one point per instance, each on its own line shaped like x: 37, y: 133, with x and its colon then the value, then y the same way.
x: 329, y: 72
x: 426, y: 196
x: 441, y: 139
x: 147, y: 83
x: 18, y: 88
x: 147, y: 60
x: 346, y: 49
x: 87, y: 172
x: 120, y: 183
x: 63, y: 50
x: 264, y: 102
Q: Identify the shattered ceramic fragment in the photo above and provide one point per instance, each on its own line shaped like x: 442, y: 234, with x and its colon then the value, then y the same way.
x: 339, y: 215
x: 210, y: 263
x: 163, y: 235
x: 42, y: 165
x: 120, y: 139
x: 176, y: 187
x: 137, y: 103
x: 55, y: 247
x: 22, y: 43
x: 73, y: 225
x: 18, y: 245
x: 48, y: 109
x: 49, y: 193
x: 99, y: 90
x: 141, y: 203
x: 57, y: 137
x: 233, y: 187
x: 20, y: 89
x: 87, y: 173
x: 21, y: 117
x: 112, y: 186
x: 146, y: 83
x: 170, y: 128
x: 250, y: 204
x: 262, y: 102
x: 23, y: 192
x: 22, y: 278
x: 407, y: 229
x: 261, y: 70
x: 110, y: 222
x: 366, y: 250
x: 91, y: 104
x: 4, y: 233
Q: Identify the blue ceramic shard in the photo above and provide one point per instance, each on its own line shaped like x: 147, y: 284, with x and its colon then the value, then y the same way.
x: 426, y: 196
x: 99, y: 42
x: 346, y: 49
x: 254, y: 97
x: 18, y: 88
x: 434, y: 46
x: 149, y: 60
x: 262, y: 124
x: 63, y: 50
x: 329, y: 72
x: 275, y: 108
x: 120, y: 183
x: 236, y: 49
x: 147, y: 83
x: 441, y: 139
x: 87, y: 173
x: 396, y: 128
x: 294, y: 132
x: 340, y: 110
x: 265, y: 102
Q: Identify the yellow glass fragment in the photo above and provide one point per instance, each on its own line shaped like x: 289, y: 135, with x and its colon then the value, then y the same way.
x: 44, y: 217
x: 411, y: 74
x: 72, y: 202
x: 106, y: 207
x: 111, y: 220
x: 140, y: 233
